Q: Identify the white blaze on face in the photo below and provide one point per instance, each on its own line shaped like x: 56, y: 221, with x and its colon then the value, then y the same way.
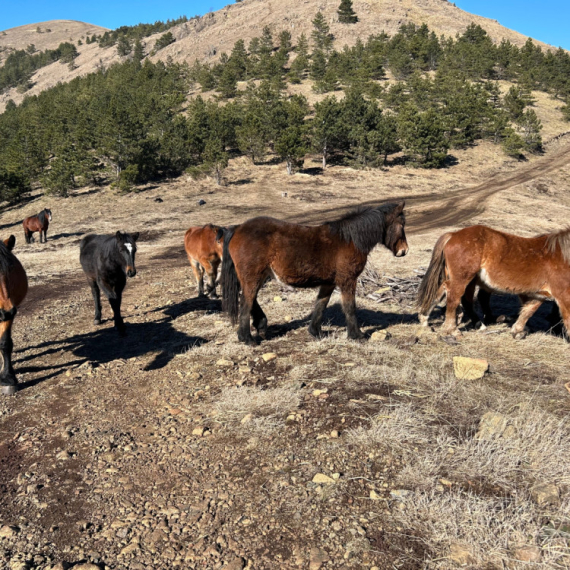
x: 49, y: 217
x: 129, y: 248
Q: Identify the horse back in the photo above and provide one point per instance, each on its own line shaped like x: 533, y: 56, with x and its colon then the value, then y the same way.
x: 200, y: 243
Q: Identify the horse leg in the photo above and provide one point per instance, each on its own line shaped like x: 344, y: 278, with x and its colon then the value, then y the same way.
x: 467, y: 302
x: 484, y: 298
x: 8, y: 382
x: 529, y: 307
x: 455, y: 290
x: 211, y: 274
x: 424, y: 317
x: 259, y: 319
x: 349, y: 307
x: 115, y: 303
x: 199, y: 276
x: 96, y: 292
x: 323, y: 299
x: 247, y: 300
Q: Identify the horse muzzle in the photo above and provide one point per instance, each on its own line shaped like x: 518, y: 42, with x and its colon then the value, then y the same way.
x: 401, y: 250
x: 131, y: 271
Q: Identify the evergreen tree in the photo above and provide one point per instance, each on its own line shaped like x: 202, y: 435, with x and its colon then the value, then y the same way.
x: 215, y: 158
x: 124, y: 46
x: 326, y: 128
x: 138, y: 53
x: 530, y: 126
x: 346, y: 15
x: 227, y: 85
x: 318, y: 65
x: 322, y: 38
x: 301, y: 62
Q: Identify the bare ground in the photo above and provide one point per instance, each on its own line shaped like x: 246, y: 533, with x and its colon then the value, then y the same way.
x: 180, y: 448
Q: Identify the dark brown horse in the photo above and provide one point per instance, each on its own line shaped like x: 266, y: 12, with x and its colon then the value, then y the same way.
x: 204, y: 253
x: 536, y: 269
x: 13, y: 289
x: 38, y: 223
x: 327, y: 256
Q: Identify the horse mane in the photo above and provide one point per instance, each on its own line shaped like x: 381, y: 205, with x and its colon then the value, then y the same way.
x: 365, y: 227
x: 6, y: 259
x: 42, y: 217
x: 559, y: 239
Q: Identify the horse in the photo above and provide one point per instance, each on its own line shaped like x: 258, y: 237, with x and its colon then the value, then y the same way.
x: 38, y: 223
x: 326, y: 256
x: 204, y: 249
x: 107, y: 261
x: 536, y: 269
x: 13, y: 290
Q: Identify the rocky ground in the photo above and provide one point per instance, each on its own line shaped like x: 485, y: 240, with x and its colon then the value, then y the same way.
x: 177, y: 447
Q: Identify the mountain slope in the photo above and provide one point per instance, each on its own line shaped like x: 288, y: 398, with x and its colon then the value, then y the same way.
x: 207, y: 37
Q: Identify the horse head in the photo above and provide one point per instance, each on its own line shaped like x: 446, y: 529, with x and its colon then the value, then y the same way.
x: 126, y: 244
x: 48, y: 214
x: 396, y: 240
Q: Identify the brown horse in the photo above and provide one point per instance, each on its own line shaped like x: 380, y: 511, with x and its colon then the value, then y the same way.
x: 536, y: 269
x: 327, y: 256
x: 38, y: 223
x: 13, y: 289
x: 204, y: 251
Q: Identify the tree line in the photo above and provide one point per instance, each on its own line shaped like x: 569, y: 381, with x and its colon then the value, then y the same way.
x: 133, y: 122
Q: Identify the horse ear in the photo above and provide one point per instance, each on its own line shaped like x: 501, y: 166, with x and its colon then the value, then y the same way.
x: 400, y: 207
x: 135, y: 236
x: 10, y: 242
x: 120, y: 236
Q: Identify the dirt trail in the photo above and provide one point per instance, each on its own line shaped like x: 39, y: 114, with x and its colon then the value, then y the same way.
x: 465, y: 203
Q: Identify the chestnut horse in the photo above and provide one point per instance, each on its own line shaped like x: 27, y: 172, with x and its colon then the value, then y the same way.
x: 37, y: 223
x: 326, y: 256
x: 536, y: 269
x: 204, y: 251
x: 13, y: 289
x: 107, y: 261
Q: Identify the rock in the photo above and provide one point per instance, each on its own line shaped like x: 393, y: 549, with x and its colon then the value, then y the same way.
x: 277, y: 299
x: 199, y: 431
x: 527, y: 554
x: 460, y: 554
x: 224, y: 363
x: 87, y: 566
x: 379, y: 336
x: 269, y: 356
x: 317, y: 558
x: 318, y: 393
x: 469, y: 368
x: 63, y: 455
x: 201, y: 202
x: 374, y: 495
x: 491, y: 426
x: 235, y: 564
x: 399, y: 494
x: 323, y: 479
x: 545, y: 494
x: 335, y: 434
x: 246, y: 419
x: 129, y: 549
x: 8, y: 531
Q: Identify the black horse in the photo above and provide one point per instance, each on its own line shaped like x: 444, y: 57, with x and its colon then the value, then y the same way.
x: 107, y: 262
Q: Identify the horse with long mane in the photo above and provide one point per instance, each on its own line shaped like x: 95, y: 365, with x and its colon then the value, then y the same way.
x: 38, y: 223
x: 204, y: 250
x: 13, y: 290
x: 536, y: 269
x: 107, y: 261
x: 326, y: 256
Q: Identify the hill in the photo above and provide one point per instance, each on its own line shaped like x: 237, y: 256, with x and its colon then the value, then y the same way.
x: 206, y: 38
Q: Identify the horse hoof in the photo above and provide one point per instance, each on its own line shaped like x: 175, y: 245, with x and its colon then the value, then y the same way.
x: 8, y: 390
x: 96, y: 321
x: 315, y: 333
x: 519, y: 335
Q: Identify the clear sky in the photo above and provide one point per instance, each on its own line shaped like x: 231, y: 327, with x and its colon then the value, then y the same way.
x: 547, y: 20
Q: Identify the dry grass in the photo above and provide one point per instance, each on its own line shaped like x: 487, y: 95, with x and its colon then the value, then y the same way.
x: 489, y: 529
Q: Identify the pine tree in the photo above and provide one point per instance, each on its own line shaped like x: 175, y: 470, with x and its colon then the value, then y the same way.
x: 530, y: 126
x: 321, y: 35
x: 326, y: 128
x: 138, y: 53
x: 124, y: 46
x: 346, y: 15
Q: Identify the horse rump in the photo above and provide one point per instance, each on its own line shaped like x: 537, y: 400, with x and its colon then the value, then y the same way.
x: 230, y: 282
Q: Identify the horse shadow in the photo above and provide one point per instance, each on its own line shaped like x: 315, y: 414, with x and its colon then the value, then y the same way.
x: 189, y: 306
x: 65, y: 235
x: 103, y: 346
x: 334, y: 316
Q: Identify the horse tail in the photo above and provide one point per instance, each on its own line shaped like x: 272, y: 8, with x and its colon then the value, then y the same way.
x: 435, y: 274
x: 230, y: 282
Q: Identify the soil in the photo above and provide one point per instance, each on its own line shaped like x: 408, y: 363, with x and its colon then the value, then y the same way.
x: 112, y: 452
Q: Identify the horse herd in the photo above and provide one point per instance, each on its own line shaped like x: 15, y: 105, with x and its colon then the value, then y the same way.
x: 328, y: 256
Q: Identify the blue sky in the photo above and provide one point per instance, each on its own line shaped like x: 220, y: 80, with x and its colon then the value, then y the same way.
x: 546, y: 20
